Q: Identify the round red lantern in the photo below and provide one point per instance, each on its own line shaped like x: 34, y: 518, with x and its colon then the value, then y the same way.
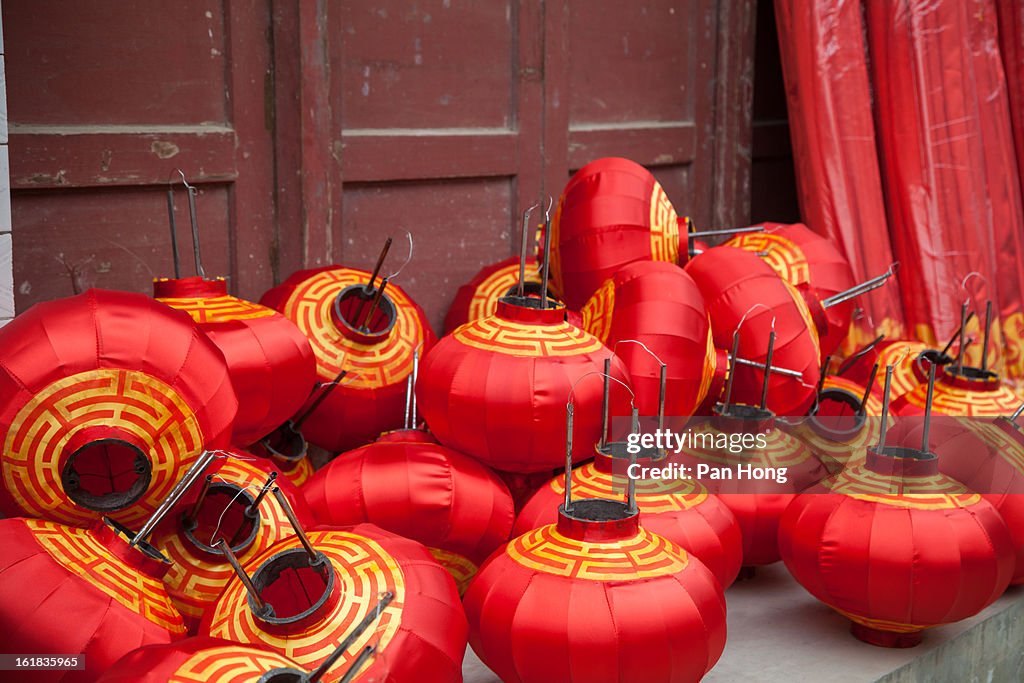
x: 961, y: 391
x: 494, y: 388
x: 270, y: 361
x: 309, y: 593
x: 232, y: 504
x: 104, y: 398
x: 407, y: 483
x: 739, y: 287
x: 478, y: 298
x: 898, y: 547
x: 82, y: 591
x: 374, y: 342
x: 612, y: 212
x: 813, y: 265
x: 209, y: 660
x: 681, y: 511
x: 658, y: 305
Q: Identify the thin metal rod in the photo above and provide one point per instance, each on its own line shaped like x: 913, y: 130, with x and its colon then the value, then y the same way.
x: 928, y: 408
x: 547, y: 258
x: 349, y: 639
x: 380, y: 264
x: 767, y: 375
x: 662, y: 387
x: 775, y: 369
x: 631, y: 484
x: 290, y: 514
x: 190, y: 517
x: 870, y: 386
x: 415, y: 379
x: 193, y: 217
x: 408, y: 401
x: 174, y: 233
x: 886, y: 395
x: 568, y: 456
x: 524, y: 244
x: 956, y: 335
x: 358, y: 663
x: 373, y: 304
x: 1017, y: 413
x: 225, y: 547
x: 193, y: 473
x: 963, y: 337
x: 251, y: 510
x: 852, y: 360
x: 605, y: 403
x: 984, y: 344
x: 725, y: 231
x: 857, y: 290
x: 731, y: 371
x: 324, y: 393
x: 824, y: 374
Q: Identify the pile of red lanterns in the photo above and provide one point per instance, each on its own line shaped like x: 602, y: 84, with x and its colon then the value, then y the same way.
x: 481, y: 488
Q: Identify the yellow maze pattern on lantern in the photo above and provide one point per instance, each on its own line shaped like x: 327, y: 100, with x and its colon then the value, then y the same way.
x: 784, y: 256
x: 664, y: 224
x: 370, y: 365
x: 134, y: 402
x: 217, y: 309
x: 598, y: 312
x: 78, y: 551
x: 494, y: 286
x: 590, y: 482
x: 517, y: 339
x: 952, y: 400
x: 364, y: 572
x: 642, y: 557
x: 935, y: 492
x: 227, y: 665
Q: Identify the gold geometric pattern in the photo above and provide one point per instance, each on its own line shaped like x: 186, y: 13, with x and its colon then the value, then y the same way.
x: 370, y: 366
x: 643, y: 556
x: 461, y: 568
x: 932, y: 492
x: 664, y: 224
x: 653, y: 496
x: 784, y: 256
x: 494, y: 286
x: 78, y: 551
x: 364, y: 572
x: 949, y: 399
x: 805, y: 313
x: 517, y: 339
x: 597, y: 313
x: 135, y: 403
x: 232, y: 664
x: 217, y: 309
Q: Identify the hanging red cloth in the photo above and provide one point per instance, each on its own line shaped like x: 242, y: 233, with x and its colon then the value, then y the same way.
x: 105, y: 398
x: 951, y: 178
x: 828, y: 95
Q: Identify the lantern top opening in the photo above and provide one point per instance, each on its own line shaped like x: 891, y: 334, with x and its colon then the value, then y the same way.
x: 833, y: 423
x: 597, y: 520
x: 288, y: 675
x: 286, y: 443
x: 528, y: 310
x: 970, y: 377
x: 356, y: 317
x: 618, y: 450
x: 297, y: 591
x: 106, y: 474
x: 233, y: 521
x: 900, y: 461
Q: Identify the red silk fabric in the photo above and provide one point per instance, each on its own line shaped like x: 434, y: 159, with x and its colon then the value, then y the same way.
x: 497, y: 388
x: 270, y: 361
x: 65, y: 590
x: 828, y: 92
x: 897, y: 564
x: 410, y: 485
x: 960, y: 396
x: 371, y: 399
x: 210, y: 660
x: 612, y: 212
x: 420, y: 635
x: 478, y: 298
x: 659, y: 305
x: 550, y: 607
x: 736, y: 283
x: 106, y: 365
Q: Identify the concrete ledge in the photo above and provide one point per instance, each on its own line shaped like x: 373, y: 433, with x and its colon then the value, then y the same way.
x: 777, y: 632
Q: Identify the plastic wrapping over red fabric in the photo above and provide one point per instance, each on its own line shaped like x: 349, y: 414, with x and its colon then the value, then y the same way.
x: 834, y: 147
x: 950, y: 174
x: 409, y: 484
x: 83, y: 591
x: 210, y: 660
x: 271, y: 362
x: 122, y: 383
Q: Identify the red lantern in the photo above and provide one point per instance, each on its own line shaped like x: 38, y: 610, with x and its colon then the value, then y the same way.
x: 612, y: 212
x: 82, y: 591
x: 330, y: 306
x: 494, y: 387
x: 203, y: 660
x: 681, y: 511
x: 104, y: 398
x: 961, y: 391
x: 270, y: 361
x: 738, y: 286
x: 571, y: 601
x: 478, y: 298
x: 658, y: 305
x: 233, y: 505
x: 811, y: 264
x: 897, y: 547
x: 407, y: 483
x: 303, y: 606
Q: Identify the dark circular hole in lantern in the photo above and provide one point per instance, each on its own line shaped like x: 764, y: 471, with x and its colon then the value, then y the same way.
x: 531, y: 290
x: 142, y: 546
x: 972, y: 373
x: 599, y: 510
x: 619, y: 449
x: 533, y: 302
x: 352, y: 305
x: 223, y: 515
x: 106, y: 475
x: 932, y: 357
x: 740, y: 411
x: 284, y: 676
x: 293, y: 586
x: 838, y: 414
x: 286, y: 443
